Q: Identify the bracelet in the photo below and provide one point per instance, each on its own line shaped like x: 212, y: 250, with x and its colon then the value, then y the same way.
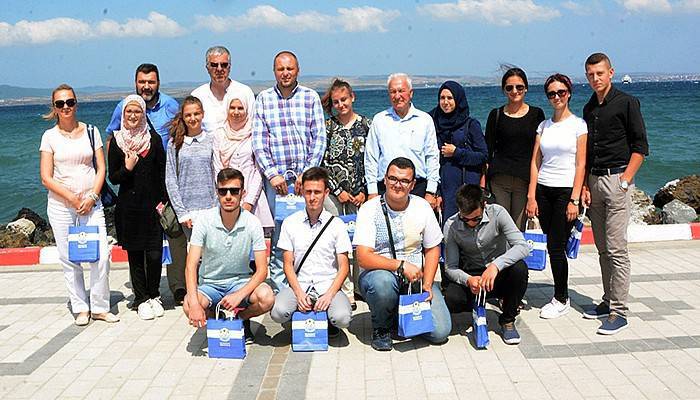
x: 399, y: 270
x: 93, y: 196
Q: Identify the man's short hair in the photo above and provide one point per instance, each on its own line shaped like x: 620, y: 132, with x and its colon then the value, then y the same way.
x: 315, y: 174
x: 216, y: 50
x: 147, y: 68
x: 400, y: 75
x: 595, y: 58
x: 228, y: 174
x: 470, y: 198
x: 283, y: 53
x: 402, y: 163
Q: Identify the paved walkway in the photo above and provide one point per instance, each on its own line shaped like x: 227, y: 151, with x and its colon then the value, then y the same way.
x: 43, y: 355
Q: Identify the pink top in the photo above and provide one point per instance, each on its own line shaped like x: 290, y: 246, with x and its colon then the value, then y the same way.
x: 72, y: 161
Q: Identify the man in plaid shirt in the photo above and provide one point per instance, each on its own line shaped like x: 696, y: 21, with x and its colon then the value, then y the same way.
x: 289, y: 136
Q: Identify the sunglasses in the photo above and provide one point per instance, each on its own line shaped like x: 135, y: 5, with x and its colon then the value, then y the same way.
x: 61, y: 103
x: 235, y: 191
x: 396, y: 181
x: 561, y: 93
x: 518, y: 88
x: 214, y: 65
x: 474, y: 219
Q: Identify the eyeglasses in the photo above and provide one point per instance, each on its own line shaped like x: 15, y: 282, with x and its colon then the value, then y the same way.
x: 473, y: 219
x: 214, y: 65
x: 518, y: 88
x: 235, y: 191
x: 396, y: 181
x: 561, y: 93
x: 61, y: 103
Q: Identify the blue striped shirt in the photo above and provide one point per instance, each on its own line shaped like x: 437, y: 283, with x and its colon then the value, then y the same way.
x: 288, y: 133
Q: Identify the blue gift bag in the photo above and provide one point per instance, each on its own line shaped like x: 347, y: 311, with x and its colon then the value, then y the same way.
x: 288, y: 205
x: 166, y: 258
x: 225, y: 337
x: 349, y: 223
x: 83, y: 243
x: 481, y: 329
x: 310, y: 331
x: 415, y: 316
x: 574, y: 241
x: 537, y: 243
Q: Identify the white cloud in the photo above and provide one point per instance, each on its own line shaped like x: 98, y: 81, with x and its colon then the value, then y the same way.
x: 71, y: 30
x: 654, y: 6
x: 498, y: 12
x: 576, y: 8
x: 690, y: 5
x: 357, y: 19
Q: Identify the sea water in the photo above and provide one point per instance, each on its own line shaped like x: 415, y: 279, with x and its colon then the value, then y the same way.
x: 670, y: 111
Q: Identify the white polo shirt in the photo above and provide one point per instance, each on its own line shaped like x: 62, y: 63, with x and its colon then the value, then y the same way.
x: 215, y: 111
x: 321, y: 266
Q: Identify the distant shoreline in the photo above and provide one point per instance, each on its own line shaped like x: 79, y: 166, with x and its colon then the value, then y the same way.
x: 179, y: 90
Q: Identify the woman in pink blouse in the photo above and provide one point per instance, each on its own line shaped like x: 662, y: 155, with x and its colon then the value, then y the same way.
x: 74, y: 185
x: 233, y: 149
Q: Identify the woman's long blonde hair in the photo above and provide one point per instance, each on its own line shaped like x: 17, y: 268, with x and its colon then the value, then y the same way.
x: 178, y: 129
x: 52, y: 114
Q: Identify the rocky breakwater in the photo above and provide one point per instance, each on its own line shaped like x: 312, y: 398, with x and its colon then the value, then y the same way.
x: 679, y: 200
x: 30, y: 229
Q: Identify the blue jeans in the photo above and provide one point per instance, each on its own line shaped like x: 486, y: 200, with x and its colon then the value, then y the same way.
x: 380, y: 289
x: 279, y: 280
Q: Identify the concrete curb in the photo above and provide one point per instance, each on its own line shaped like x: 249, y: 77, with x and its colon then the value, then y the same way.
x: 635, y: 233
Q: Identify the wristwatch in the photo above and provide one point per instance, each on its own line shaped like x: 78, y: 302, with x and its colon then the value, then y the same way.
x: 575, y: 202
x: 624, y: 184
x: 399, y: 270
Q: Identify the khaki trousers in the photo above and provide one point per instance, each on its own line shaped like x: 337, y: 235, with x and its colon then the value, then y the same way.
x: 511, y: 194
x: 609, y: 214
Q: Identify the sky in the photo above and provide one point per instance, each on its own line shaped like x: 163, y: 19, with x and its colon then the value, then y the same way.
x: 95, y: 43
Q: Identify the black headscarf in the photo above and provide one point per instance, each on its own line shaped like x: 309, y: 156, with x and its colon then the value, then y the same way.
x: 460, y: 115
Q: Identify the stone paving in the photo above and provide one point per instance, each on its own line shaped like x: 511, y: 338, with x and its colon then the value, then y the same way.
x: 44, y: 356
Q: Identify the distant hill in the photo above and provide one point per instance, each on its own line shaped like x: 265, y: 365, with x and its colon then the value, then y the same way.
x: 14, y: 92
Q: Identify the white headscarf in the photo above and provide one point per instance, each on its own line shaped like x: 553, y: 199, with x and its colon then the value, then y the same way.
x: 228, y: 138
x: 138, y: 139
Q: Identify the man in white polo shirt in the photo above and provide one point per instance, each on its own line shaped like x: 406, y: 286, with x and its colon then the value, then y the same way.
x: 211, y: 94
x: 224, y: 239
x: 316, y: 247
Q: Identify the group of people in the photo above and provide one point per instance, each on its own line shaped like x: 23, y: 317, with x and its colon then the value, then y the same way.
x: 422, y: 185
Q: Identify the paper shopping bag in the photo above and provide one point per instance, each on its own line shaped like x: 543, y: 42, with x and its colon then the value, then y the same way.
x: 83, y: 243
x: 310, y: 331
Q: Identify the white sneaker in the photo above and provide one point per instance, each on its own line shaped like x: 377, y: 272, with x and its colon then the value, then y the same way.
x: 145, y: 310
x: 157, y: 306
x: 555, y: 309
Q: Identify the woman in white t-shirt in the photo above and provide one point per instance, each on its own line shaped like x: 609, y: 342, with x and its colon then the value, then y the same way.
x: 556, y: 177
x: 74, y: 184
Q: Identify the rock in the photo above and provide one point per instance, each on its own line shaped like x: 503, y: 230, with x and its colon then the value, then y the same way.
x: 676, y: 212
x: 38, y: 221
x: 9, y: 239
x: 642, y: 208
x: 43, y: 239
x: 109, y: 222
x: 23, y: 226
x: 686, y: 189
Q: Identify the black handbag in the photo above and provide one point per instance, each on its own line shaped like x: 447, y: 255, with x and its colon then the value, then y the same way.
x: 107, y: 195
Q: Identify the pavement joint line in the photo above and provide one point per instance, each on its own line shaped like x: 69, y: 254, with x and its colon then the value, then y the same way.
x: 36, y: 359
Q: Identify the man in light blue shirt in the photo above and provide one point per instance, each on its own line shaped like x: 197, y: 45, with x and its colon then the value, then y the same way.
x: 224, y: 237
x: 160, y: 108
x: 402, y: 131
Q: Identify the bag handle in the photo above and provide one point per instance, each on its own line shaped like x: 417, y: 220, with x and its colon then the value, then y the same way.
x: 313, y: 244
x: 411, y: 285
x: 481, y: 298
x: 235, y: 312
x: 388, y: 227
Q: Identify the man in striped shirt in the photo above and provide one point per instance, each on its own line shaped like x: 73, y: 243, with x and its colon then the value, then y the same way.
x: 289, y: 136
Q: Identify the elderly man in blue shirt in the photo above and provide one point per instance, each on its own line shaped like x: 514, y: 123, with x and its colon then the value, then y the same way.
x: 289, y: 137
x: 403, y: 131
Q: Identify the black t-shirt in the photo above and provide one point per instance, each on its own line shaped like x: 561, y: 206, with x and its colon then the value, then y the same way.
x: 615, y: 130
x: 511, y: 142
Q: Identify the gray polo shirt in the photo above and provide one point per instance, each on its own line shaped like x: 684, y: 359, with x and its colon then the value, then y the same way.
x: 495, y: 240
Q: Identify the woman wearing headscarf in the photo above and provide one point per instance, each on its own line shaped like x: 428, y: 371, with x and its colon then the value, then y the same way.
x: 137, y: 165
x: 233, y: 148
x: 462, y: 146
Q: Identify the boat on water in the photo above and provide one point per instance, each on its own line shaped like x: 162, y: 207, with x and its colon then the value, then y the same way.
x: 626, y: 79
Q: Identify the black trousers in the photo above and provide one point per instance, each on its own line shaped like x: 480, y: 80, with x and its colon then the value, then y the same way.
x: 510, y: 285
x: 418, y: 190
x: 144, y: 270
x: 552, y: 203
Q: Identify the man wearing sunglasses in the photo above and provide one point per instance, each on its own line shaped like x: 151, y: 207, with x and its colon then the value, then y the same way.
x: 485, y: 250
x: 223, y: 238
x: 316, y: 247
x: 211, y: 94
x: 386, y: 270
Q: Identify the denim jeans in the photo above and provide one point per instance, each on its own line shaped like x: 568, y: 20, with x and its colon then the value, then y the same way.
x: 277, y: 277
x: 380, y: 288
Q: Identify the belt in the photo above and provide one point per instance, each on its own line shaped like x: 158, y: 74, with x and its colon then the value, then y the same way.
x: 608, y: 171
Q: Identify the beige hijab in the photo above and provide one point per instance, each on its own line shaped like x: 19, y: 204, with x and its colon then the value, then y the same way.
x: 138, y: 139
x: 228, y: 138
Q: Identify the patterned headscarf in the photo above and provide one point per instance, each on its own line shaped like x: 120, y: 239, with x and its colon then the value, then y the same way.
x: 138, y: 139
